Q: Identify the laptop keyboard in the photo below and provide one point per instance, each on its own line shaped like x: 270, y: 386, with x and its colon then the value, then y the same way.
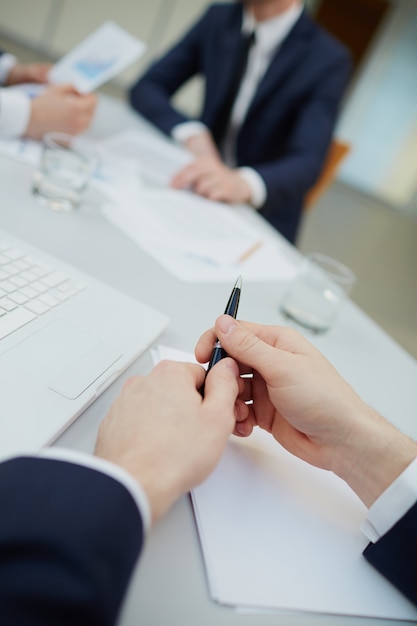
x: 29, y: 288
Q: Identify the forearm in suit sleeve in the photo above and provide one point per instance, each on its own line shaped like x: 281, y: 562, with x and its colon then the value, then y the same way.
x: 69, y: 539
x: 151, y: 95
x: 395, y: 554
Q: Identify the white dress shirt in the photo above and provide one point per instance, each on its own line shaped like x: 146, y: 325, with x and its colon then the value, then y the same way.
x: 269, y: 36
x: 392, y: 504
x: 15, y: 106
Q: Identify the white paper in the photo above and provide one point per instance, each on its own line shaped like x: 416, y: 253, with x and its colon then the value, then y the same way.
x: 171, y: 354
x: 24, y: 150
x: 158, y: 158
x: 277, y: 533
x: 198, y: 240
x: 102, y: 55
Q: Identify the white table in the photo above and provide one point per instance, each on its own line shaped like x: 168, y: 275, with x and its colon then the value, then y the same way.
x: 169, y: 585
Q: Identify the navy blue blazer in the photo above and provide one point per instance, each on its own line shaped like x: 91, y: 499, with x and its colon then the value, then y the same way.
x: 290, y: 122
x: 70, y: 537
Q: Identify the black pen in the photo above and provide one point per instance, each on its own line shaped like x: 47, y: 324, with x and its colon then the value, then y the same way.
x: 231, y: 309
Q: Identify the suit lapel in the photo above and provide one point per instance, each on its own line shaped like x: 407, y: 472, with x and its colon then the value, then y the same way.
x: 285, y: 59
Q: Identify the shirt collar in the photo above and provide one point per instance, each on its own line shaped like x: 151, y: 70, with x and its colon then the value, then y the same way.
x: 271, y: 33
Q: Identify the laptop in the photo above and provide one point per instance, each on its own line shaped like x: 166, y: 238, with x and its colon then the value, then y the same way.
x: 64, y: 338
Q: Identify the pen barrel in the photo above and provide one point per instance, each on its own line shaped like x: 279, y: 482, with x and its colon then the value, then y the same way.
x: 233, y: 303
x: 217, y: 355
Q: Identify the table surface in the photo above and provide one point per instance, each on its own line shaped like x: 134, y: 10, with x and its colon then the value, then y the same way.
x: 169, y: 584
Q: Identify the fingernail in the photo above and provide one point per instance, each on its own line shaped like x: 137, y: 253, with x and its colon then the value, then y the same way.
x: 227, y: 324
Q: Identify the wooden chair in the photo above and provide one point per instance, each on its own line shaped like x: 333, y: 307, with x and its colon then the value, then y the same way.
x: 337, y: 152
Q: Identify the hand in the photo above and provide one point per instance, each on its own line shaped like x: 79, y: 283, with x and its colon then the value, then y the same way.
x: 202, y: 144
x: 60, y: 108
x: 165, y: 434
x: 300, y: 398
x: 209, y: 177
x: 28, y: 73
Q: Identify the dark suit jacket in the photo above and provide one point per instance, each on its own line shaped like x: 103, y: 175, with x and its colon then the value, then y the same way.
x: 289, y: 124
x: 69, y: 539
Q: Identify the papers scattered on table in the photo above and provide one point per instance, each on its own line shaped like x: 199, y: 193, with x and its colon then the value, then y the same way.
x: 100, y: 57
x: 158, y: 158
x: 25, y: 150
x: 278, y: 534
x: 171, y: 354
x: 199, y: 240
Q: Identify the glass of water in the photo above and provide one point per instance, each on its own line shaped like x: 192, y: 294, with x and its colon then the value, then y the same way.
x: 65, y: 169
x: 315, y: 296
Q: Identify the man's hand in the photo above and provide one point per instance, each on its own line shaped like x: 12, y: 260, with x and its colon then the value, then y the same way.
x: 60, y: 108
x: 299, y: 398
x: 28, y: 73
x: 209, y: 177
x: 165, y: 434
x: 202, y: 144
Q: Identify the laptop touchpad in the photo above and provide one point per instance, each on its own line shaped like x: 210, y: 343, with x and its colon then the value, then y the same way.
x: 64, y: 358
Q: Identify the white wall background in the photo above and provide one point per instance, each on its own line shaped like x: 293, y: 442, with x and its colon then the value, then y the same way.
x: 380, y: 116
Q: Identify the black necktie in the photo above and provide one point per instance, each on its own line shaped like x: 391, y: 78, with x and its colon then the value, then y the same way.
x: 220, y: 125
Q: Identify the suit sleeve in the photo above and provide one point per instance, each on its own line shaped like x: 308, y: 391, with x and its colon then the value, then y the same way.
x: 395, y: 554
x: 69, y: 540
x: 151, y: 95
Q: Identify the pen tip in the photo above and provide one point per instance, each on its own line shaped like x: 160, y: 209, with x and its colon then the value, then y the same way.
x: 238, y: 283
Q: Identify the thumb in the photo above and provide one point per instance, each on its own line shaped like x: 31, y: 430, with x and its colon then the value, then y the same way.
x: 246, y: 347
x: 221, y: 389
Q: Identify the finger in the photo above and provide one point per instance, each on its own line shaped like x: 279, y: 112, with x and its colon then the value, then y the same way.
x: 206, y: 184
x: 221, y: 390
x: 183, y: 178
x: 245, y: 346
x: 244, y: 428
x: 204, y: 348
x: 205, y: 345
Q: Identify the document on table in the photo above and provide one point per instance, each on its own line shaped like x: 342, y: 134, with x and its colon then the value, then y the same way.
x: 279, y: 534
x: 158, y: 158
x: 196, y: 239
x: 101, y: 56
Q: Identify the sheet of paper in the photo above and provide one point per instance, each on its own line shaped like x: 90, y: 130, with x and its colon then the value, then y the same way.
x: 158, y: 158
x: 100, y: 57
x: 278, y: 534
x: 25, y: 150
x: 159, y: 353
x: 198, y: 240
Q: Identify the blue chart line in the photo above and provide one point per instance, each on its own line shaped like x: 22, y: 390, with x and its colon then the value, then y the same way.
x: 93, y: 67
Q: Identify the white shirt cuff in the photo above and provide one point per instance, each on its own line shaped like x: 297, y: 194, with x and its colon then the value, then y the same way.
x: 15, y: 110
x: 257, y: 185
x: 105, y: 467
x: 183, y: 132
x: 7, y: 61
x: 392, y: 504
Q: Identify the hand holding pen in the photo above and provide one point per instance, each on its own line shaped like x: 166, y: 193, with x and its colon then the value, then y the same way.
x: 231, y: 309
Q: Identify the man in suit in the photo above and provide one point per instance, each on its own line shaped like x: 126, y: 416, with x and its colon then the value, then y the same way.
x: 72, y: 526
x: 55, y: 108
x: 265, y: 143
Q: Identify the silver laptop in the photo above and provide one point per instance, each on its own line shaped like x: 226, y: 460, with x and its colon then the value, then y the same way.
x: 64, y: 337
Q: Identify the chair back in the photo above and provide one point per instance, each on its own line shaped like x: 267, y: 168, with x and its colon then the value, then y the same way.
x: 337, y: 153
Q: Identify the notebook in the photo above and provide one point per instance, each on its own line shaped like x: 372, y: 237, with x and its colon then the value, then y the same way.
x: 64, y: 338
